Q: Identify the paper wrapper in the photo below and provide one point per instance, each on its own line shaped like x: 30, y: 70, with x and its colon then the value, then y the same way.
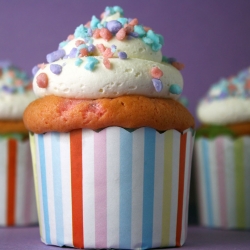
x: 113, y: 188
x: 222, y: 168
x: 17, y: 193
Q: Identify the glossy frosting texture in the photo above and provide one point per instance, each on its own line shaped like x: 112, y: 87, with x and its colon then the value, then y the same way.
x: 227, y: 101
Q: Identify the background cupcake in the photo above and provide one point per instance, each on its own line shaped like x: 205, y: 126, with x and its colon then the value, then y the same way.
x: 17, y: 196
x: 112, y: 145
x: 222, y: 152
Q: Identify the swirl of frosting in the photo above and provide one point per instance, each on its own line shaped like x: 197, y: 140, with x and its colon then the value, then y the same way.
x: 111, y: 57
x: 15, y: 92
x: 227, y: 101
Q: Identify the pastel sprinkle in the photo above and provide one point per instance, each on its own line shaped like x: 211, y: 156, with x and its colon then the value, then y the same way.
x: 42, y: 80
x: 8, y: 89
x: 81, y: 31
x: 113, y: 48
x: 175, y: 89
x: 134, y: 22
x: 122, y: 55
x: 90, y: 32
x: 70, y: 37
x: 121, y: 34
x: 94, y: 22
x: 134, y: 34
x: 56, y: 55
x: 156, y: 72
x: 177, y: 65
x: 91, y: 48
x: 139, y: 30
x: 56, y: 69
x: 73, y: 53
x: 123, y: 20
x: 79, y: 42
x: 106, y: 63
x: 82, y: 46
x: 105, y: 34
x: 63, y: 43
x: 91, y: 63
x: 147, y: 40
x: 96, y: 33
x: 35, y: 69
x: 78, y: 61
x: 83, y: 52
x: 100, y: 47
x: 157, y: 84
x: 114, y: 26
x: 129, y: 28
x: 107, y: 53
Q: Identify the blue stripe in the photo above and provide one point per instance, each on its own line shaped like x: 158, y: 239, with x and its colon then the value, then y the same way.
x: 44, y: 188
x: 148, y: 188
x: 56, y: 165
x: 205, y: 151
x: 126, y: 142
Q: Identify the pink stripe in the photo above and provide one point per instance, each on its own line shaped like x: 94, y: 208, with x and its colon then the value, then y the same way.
x: 100, y: 159
x: 221, y: 180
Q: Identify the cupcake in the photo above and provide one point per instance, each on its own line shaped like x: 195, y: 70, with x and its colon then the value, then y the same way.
x: 222, y: 152
x: 17, y: 195
x: 112, y: 145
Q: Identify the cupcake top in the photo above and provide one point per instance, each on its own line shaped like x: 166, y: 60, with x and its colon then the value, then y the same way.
x: 109, y: 57
x: 227, y: 102
x: 15, y: 91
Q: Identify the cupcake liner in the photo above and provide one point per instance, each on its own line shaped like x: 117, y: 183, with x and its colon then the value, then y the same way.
x: 222, y: 169
x: 113, y: 188
x: 17, y: 196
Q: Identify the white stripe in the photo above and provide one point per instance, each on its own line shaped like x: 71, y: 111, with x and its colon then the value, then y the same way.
x: 158, y: 189
x: 186, y: 187
x: 230, y: 181
x: 21, y: 173
x: 246, y: 181
x: 88, y: 187
x: 113, y: 192
x: 66, y: 187
x: 137, y: 187
x: 39, y: 180
x: 175, y: 187
x: 3, y: 181
x: 50, y: 187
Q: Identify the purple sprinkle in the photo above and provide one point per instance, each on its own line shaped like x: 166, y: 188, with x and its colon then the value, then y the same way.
x: 56, y: 55
x: 73, y: 53
x: 114, y: 26
x: 134, y: 34
x: 122, y: 55
x: 56, y: 69
x: 91, y: 48
x: 89, y: 32
x: 157, y: 84
x: 35, y: 69
x: 8, y: 89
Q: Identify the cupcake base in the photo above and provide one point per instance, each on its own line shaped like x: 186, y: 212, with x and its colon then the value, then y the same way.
x: 113, y: 188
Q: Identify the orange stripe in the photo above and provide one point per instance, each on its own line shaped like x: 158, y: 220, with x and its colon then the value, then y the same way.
x: 76, y: 182
x: 181, y: 188
x: 11, y: 195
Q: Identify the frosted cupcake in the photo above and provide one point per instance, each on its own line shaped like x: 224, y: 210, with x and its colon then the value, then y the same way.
x: 112, y: 144
x: 17, y: 196
x: 222, y: 151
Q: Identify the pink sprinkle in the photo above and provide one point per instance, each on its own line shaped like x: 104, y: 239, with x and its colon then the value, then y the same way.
x: 232, y: 87
x: 70, y: 37
x: 179, y: 66
x: 102, y: 15
x: 107, y: 53
x: 146, y: 28
x: 83, y: 52
x: 41, y: 66
x: 247, y: 85
x: 42, y: 80
x: 87, y: 24
x: 156, y: 73
x: 121, y: 34
x: 101, y: 47
x: 18, y: 82
x: 129, y: 28
x: 96, y: 33
x: 134, y: 22
x: 79, y: 42
x: 105, y: 34
x: 106, y: 63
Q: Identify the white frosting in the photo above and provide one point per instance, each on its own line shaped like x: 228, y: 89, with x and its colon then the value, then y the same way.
x: 223, y: 112
x: 12, y: 106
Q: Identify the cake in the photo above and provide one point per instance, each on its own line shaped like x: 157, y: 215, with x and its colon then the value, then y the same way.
x: 222, y: 152
x: 106, y: 124
x: 17, y: 195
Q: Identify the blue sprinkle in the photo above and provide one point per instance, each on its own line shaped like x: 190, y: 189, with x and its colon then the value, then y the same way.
x: 109, y: 11
x: 139, y: 30
x: 153, y: 36
x: 122, y: 55
x: 88, y: 40
x: 147, y: 40
x: 94, y: 22
x: 175, y: 89
x: 161, y: 39
x: 81, y: 31
x: 118, y: 9
x: 99, y: 26
x: 34, y: 70
x: 63, y: 43
x: 91, y: 63
x: 56, y: 55
x: 56, y: 69
x: 113, y: 48
x: 114, y: 26
x: 92, y: 59
x: 91, y: 48
x: 73, y: 53
x: 81, y: 46
x: 20, y: 89
x: 157, y: 84
x: 156, y: 46
x: 78, y: 61
x: 123, y: 20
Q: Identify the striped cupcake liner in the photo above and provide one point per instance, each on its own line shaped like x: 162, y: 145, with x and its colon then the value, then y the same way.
x: 222, y: 169
x: 17, y: 195
x: 113, y: 188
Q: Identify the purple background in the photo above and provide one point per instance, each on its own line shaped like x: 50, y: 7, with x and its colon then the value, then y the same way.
x: 212, y: 38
